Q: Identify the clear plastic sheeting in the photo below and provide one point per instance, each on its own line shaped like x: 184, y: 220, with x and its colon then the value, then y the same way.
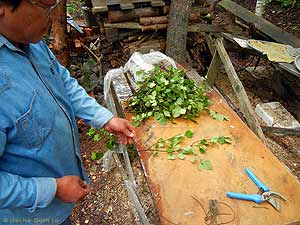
x: 137, y: 62
x: 107, y: 161
x: 107, y: 82
x: 146, y: 62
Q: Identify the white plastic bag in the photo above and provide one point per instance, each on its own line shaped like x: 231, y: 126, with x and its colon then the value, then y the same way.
x: 147, y: 62
x: 106, y: 87
x: 108, y: 161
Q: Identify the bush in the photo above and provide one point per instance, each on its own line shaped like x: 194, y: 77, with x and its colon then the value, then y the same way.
x: 284, y: 3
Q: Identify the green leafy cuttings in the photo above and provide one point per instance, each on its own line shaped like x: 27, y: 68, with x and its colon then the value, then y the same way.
x: 175, y: 151
x: 168, y: 94
x: 96, y: 135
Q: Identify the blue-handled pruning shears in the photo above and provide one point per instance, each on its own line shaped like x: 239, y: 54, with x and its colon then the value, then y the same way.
x: 264, y: 193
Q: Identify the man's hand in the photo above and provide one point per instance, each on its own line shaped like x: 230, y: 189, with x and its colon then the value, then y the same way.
x: 71, y: 189
x: 121, y: 128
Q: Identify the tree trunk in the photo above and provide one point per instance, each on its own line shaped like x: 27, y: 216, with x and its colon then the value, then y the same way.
x: 177, y: 29
x: 260, y: 7
x: 59, y: 28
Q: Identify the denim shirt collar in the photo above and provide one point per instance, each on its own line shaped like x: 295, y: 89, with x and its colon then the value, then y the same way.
x: 8, y: 44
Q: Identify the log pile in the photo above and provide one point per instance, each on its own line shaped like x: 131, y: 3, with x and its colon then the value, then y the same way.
x: 147, y: 18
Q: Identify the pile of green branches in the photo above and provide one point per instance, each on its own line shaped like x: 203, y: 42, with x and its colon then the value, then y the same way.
x: 169, y: 94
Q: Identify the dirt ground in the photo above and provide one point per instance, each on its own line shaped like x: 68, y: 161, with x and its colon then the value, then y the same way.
x: 109, y: 204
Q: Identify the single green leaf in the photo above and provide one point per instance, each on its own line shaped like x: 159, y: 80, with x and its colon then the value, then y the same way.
x: 182, y: 111
x: 193, y: 159
x: 177, y: 147
x: 152, y: 85
x: 176, y: 112
x: 205, y: 165
x: 91, y: 132
x: 181, y: 156
x: 171, y: 157
x: 135, y: 123
x: 148, y: 104
x: 187, y: 150
x: 161, y: 144
x: 202, y: 149
x: 163, y: 121
x: 157, y: 115
x: 203, y: 142
x: 221, y: 140
x: 97, y: 155
x: 214, y: 140
x: 139, y: 73
x: 189, y: 134
x: 97, y: 137
x: 167, y: 113
x: 93, y: 156
x: 218, y: 116
x: 109, y: 145
x: 170, y: 150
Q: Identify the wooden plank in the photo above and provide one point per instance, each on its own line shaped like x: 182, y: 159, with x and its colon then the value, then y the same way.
x: 113, y: 2
x: 213, y: 69
x: 157, y: 3
x: 99, y: 6
x: 213, y: 28
x: 140, y: 1
x: 239, y: 90
x: 124, y: 25
x: 291, y: 68
x: 135, y: 25
x: 261, y: 24
x: 282, y: 131
x: 127, y: 6
x: 174, y: 183
x: 132, y: 15
x: 216, y: 62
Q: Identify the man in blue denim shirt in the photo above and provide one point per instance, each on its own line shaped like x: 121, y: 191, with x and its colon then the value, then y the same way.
x: 41, y: 173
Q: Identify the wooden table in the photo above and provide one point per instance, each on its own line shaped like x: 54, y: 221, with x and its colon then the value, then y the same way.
x: 180, y: 190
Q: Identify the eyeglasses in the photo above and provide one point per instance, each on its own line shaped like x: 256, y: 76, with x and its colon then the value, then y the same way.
x: 44, y: 6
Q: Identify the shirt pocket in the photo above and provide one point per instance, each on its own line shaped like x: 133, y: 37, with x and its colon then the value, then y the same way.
x: 34, y: 126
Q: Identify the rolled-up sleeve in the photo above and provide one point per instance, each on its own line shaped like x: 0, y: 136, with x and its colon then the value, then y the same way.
x: 21, y: 192
x: 86, y: 107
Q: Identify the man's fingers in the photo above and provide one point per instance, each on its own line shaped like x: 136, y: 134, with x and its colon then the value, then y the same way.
x: 86, y: 190
x: 83, y: 184
x: 129, y: 126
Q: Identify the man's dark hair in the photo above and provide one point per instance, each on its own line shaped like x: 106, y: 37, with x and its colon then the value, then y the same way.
x: 13, y: 3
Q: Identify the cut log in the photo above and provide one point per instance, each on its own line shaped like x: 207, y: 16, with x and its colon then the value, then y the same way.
x: 125, y: 25
x: 155, y: 27
x: 153, y: 20
x: 131, y: 15
x: 196, y: 16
